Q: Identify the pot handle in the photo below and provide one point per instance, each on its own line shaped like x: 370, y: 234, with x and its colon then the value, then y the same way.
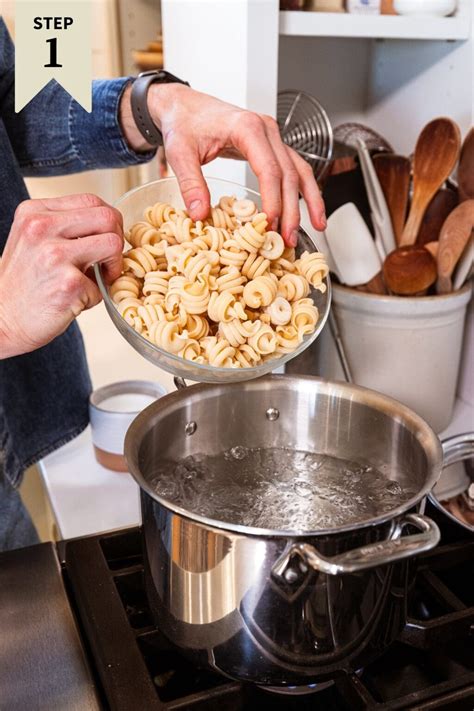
x: 179, y: 382
x: 397, y: 548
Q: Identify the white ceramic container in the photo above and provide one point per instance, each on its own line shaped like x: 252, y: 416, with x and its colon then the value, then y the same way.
x: 408, y: 348
x: 436, y: 8
x: 112, y: 410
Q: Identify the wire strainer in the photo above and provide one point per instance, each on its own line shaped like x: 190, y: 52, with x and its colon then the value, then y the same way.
x: 305, y: 126
x: 132, y: 206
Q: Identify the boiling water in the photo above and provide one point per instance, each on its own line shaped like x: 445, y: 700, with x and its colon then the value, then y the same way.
x: 278, y: 488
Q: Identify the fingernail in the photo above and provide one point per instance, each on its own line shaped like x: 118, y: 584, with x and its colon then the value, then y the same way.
x: 324, y: 221
x: 195, y: 205
x: 294, y: 238
x: 274, y: 225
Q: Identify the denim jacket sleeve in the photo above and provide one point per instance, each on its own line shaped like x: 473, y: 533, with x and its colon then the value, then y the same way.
x: 54, y: 135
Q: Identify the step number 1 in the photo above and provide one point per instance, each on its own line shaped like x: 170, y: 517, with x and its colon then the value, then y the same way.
x: 53, y: 53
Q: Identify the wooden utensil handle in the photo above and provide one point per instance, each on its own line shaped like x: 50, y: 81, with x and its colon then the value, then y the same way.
x: 412, y: 225
x: 375, y: 286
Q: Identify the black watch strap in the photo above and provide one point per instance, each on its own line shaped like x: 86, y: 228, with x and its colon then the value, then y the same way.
x: 150, y: 132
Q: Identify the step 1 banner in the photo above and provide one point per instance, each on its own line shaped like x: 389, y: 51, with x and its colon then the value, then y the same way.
x: 53, y: 41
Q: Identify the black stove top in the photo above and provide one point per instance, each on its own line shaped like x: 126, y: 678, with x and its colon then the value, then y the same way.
x: 430, y: 667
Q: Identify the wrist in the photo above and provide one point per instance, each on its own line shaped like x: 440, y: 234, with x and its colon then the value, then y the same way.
x: 127, y: 123
x: 162, y: 100
x: 8, y: 346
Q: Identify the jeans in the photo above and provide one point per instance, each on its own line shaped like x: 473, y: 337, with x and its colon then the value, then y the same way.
x: 16, y: 526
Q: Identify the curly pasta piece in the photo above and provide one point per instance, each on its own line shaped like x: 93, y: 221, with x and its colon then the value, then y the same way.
x: 237, y: 332
x: 226, y: 203
x: 166, y: 335
x: 244, y: 210
x: 138, y: 261
x: 255, y: 265
x: 195, y: 295
x: 154, y: 299
x: 279, y: 311
x: 156, y: 282
x: 273, y: 246
x: 287, y: 338
x: 173, y: 295
x: 232, y: 255
x: 293, y: 287
x: 220, y: 218
x: 260, y: 292
x: 314, y: 268
x: 224, y: 307
x: 159, y: 213
x: 128, y: 309
x: 251, y: 236
x: 142, y: 233
x: 151, y: 313
x: 192, y: 351
x: 264, y: 341
x: 282, y: 266
x: 212, y: 238
x: 304, y: 316
x: 247, y: 356
x: 196, y: 326
x: 230, y: 279
x: 125, y: 287
x: 201, y: 263
x: 221, y: 354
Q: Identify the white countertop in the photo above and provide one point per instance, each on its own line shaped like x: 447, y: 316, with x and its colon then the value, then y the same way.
x: 86, y: 498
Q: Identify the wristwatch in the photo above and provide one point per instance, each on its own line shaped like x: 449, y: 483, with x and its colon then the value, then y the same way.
x: 150, y: 132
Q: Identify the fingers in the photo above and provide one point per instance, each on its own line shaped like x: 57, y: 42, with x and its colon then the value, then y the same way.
x: 290, y: 213
x: 66, y: 202
x: 101, y: 248
x: 70, y: 224
x: 184, y: 160
x: 79, y: 292
x: 309, y: 189
x: 251, y: 140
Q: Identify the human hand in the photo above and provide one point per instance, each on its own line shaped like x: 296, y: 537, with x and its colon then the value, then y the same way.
x: 44, y: 270
x: 198, y: 128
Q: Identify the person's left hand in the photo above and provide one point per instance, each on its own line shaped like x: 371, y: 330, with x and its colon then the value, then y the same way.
x: 198, y: 128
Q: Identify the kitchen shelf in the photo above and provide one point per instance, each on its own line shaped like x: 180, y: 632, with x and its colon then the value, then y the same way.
x: 328, y: 24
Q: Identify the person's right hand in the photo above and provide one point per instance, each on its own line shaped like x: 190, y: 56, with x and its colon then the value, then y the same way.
x: 44, y: 282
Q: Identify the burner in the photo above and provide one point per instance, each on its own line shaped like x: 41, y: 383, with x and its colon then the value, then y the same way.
x: 298, y: 690
x: 430, y: 667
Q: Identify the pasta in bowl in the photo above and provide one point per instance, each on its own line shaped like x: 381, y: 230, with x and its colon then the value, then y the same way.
x: 216, y: 301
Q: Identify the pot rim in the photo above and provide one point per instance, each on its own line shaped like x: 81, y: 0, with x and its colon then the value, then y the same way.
x: 383, y: 403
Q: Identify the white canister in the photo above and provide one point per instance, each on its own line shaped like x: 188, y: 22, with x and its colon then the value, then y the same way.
x: 112, y: 409
x: 408, y: 348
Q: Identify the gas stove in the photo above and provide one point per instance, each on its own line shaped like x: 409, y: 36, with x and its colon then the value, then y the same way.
x: 431, y: 666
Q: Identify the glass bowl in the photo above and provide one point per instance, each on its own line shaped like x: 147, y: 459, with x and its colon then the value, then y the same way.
x: 132, y: 206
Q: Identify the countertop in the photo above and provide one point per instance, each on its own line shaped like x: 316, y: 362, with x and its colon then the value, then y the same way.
x: 86, y: 498
x: 42, y: 663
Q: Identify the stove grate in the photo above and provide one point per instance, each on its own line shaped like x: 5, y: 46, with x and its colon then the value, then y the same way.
x: 431, y: 667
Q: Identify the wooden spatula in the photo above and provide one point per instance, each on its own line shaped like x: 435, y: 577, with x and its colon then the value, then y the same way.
x: 436, y: 154
x: 454, y: 236
x: 393, y: 172
x: 437, y: 211
x: 466, y: 168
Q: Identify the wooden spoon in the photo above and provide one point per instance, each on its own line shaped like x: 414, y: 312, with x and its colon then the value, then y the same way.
x: 466, y: 168
x: 437, y: 211
x: 409, y: 271
x: 436, y: 153
x: 432, y: 248
x: 455, y: 234
x: 393, y: 172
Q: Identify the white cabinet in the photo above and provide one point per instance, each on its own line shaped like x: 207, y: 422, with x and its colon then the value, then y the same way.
x: 393, y: 73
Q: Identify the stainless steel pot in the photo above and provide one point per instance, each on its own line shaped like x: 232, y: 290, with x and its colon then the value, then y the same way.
x: 273, y: 607
x: 456, y: 450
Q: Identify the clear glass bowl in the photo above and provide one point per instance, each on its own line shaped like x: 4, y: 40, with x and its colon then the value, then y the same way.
x: 132, y: 206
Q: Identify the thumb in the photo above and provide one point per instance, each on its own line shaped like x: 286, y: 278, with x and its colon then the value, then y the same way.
x: 187, y: 168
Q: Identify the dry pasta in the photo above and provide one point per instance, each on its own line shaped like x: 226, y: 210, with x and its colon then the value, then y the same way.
x: 224, y: 292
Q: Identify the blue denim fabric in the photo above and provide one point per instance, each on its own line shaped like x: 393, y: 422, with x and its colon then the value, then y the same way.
x: 43, y: 395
